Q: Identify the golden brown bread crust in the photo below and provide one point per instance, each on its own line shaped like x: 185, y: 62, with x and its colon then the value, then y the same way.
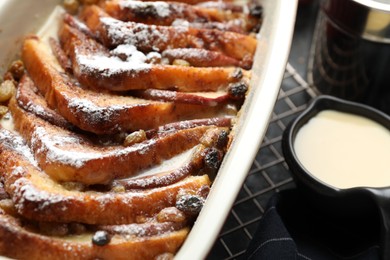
x: 67, y: 156
x: 148, y: 13
x: 217, y: 121
x: 113, y: 32
x: 195, y: 98
x: 94, y: 67
x: 202, y: 58
x: 100, y: 113
x: 20, y: 243
x: 38, y: 197
x: 195, y: 57
x: 29, y: 98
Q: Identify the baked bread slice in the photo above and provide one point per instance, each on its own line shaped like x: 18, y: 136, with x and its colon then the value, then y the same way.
x: 194, y: 56
x: 174, y: 13
x: 21, y: 243
x: 94, y: 66
x: 112, y: 32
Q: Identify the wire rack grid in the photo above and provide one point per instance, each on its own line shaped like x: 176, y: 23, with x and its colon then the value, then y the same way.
x: 268, y: 174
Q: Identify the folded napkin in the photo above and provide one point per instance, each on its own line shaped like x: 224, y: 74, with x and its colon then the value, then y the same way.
x: 291, y: 229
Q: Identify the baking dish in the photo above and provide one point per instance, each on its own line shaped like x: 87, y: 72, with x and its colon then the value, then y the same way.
x: 18, y: 18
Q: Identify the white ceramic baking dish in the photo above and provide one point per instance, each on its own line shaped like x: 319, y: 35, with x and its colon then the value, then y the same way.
x: 18, y: 18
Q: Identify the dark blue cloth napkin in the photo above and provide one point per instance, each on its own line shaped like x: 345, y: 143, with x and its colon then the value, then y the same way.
x: 291, y: 229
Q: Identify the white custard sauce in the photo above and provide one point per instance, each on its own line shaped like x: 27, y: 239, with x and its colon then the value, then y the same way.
x: 345, y: 150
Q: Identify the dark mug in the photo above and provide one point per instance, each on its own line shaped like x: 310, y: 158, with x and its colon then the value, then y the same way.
x: 350, y: 57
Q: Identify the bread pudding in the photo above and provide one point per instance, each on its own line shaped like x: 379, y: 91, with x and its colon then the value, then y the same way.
x: 114, y: 128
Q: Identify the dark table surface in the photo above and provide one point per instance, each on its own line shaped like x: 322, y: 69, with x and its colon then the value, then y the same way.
x: 269, y: 172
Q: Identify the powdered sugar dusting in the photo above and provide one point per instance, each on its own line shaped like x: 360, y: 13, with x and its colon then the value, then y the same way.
x: 28, y: 193
x: 142, y: 230
x: 137, y: 34
x: 130, y: 52
x: 181, y: 23
x: 108, y: 66
x: 52, y: 146
x: 38, y: 109
x: 93, y: 113
x: 187, y: 53
x: 72, y: 150
x: 16, y: 143
x: 153, y: 55
x: 129, y: 230
x: 160, y: 9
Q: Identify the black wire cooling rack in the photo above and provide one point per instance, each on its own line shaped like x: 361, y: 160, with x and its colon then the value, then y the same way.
x: 268, y: 174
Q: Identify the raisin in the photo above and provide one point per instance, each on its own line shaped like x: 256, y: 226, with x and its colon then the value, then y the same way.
x: 222, y: 139
x: 76, y: 186
x: 118, y: 188
x: 170, y: 214
x: 3, y: 111
x: 135, y: 137
x: 16, y: 69
x: 212, y: 159
x: 256, y: 11
x: 238, y: 90
x: 190, y: 204
x: 72, y: 6
x: 101, y: 238
x: 203, y: 191
x: 7, y: 89
x: 181, y: 62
